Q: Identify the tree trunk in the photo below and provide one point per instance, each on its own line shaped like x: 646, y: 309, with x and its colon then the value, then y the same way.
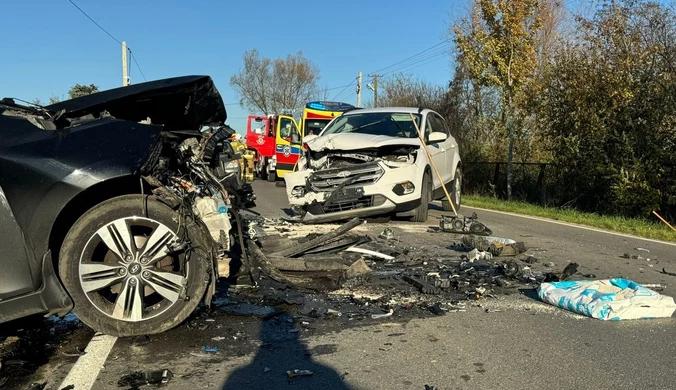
x: 510, y: 152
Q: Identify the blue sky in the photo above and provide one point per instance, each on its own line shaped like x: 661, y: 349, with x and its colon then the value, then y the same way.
x: 49, y: 45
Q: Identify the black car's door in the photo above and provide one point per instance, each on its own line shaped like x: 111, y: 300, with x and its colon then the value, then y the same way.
x: 15, y: 270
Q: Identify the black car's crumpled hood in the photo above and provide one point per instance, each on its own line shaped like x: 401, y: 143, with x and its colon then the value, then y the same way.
x: 178, y: 103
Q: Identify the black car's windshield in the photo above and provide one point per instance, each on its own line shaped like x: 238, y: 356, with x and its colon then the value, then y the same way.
x: 393, y: 124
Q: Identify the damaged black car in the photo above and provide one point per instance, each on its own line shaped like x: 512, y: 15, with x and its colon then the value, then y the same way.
x: 118, y: 205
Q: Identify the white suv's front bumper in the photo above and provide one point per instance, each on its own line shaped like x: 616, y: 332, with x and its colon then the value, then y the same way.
x: 383, y: 196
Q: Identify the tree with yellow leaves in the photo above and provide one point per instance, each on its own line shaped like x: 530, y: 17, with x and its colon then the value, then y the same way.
x: 497, y: 45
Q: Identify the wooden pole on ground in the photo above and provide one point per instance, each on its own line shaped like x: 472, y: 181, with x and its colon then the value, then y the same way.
x: 434, y: 166
x: 663, y: 220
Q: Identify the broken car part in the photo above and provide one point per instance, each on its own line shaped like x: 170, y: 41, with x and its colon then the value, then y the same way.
x: 297, y: 373
x: 387, y: 234
x: 464, y: 225
x: 299, y: 249
x: 423, y: 287
x: 385, y: 315
x: 138, y: 378
x: 370, y: 253
x: 495, y: 245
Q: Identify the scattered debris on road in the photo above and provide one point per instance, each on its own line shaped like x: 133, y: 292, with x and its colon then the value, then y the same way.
x: 296, y: 373
x: 385, y: 315
x: 37, y: 386
x: 138, y: 378
x: 387, y: 234
x: 210, y: 349
x: 664, y: 271
x: 609, y: 299
x: 497, y: 246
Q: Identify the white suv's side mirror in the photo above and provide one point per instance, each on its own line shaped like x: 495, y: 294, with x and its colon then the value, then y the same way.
x: 437, y: 136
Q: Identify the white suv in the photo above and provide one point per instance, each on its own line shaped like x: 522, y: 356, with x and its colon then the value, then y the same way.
x: 369, y: 162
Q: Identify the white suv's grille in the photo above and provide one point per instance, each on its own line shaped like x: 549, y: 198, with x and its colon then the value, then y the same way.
x: 357, y: 176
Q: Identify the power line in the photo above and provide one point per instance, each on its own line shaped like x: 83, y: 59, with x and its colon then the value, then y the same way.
x: 344, y: 89
x: 334, y: 88
x: 418, y: 63
x: 412, y: 57
x: 94, y: 21
x: 133, y: 57
x: 417, y: 60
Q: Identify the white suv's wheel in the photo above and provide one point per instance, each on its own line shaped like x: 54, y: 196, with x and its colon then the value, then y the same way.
x: 455, y: 191
x: 115, y: 266
x: 422, y: 211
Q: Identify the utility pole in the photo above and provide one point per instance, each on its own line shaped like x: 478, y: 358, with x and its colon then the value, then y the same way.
x: 374, y: 87
x: 359, y: 91
x: 125, y: 70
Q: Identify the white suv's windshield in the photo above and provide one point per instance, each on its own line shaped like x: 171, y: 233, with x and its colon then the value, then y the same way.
x: 393, y: 124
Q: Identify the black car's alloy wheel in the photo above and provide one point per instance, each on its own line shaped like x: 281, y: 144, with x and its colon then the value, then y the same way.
x: 124, y: 281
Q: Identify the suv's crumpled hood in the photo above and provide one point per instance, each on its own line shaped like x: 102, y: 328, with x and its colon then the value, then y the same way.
x: 356, y: 141
x: 179, y: 103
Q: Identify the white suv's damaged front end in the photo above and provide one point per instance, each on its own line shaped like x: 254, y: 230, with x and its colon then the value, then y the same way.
x: 346, y: 175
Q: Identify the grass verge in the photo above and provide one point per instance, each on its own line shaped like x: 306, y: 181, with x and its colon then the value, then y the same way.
x: 635, y: 226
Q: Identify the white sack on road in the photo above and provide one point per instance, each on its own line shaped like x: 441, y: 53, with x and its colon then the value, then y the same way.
x: 609, y: 299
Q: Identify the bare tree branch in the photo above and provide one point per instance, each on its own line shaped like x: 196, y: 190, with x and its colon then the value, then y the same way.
x: 271, y: 86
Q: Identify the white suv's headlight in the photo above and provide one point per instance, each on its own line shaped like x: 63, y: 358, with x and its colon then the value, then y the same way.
x: 404, y: 188
x: 298, y: 191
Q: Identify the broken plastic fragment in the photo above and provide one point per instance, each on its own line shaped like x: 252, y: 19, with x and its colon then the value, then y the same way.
x: 530, y: 259
x: 211, y: 349
x: 387, y: 234
x: 296, y: 373
x: 379, y: 316
x: 358, y: 268
x: 437, y: 309
x: 370, y: 253
x: 475, y: 255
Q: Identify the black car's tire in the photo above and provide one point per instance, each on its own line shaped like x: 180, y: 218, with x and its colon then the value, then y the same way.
x: 422, y: 211
x: 455, y: 192
x: 272, y: 176
x: 85, y: 240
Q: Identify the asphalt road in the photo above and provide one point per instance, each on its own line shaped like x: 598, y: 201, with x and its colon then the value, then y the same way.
x: 519, y: 343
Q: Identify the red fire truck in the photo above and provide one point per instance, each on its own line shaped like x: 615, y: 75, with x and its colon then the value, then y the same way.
x: 260, y: 136
x: 277, y: 143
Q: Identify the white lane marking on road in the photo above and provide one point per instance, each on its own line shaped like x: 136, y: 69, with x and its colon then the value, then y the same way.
x: 573, y: 225
x: 87, y: 368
